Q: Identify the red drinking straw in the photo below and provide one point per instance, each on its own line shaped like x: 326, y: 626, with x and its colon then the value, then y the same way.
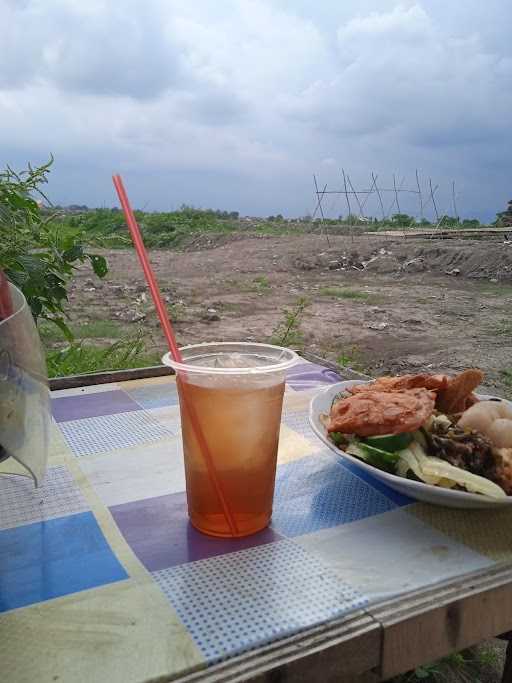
x: 6, y: 308
x: 173, y: 346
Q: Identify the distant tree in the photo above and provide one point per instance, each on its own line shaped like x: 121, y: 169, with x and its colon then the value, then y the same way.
x: 470, y: 223
x: 449, y: 221
x: 402, y: 219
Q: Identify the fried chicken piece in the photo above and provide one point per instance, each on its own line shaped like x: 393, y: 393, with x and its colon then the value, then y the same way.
x: 454, y: 397
x: 372, y: 413
x: 454, y: 394
x: 403, y: 382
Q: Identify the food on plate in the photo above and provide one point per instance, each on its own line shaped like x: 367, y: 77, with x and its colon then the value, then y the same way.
x: 492, y: 418
x: 458, y: 394
x: 402, y: 382
x: 431, y: 428
x: 453, y: 394
x: 376, y: 412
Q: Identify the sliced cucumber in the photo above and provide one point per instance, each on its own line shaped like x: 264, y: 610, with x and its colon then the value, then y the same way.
x: 390, y: 442
x: 383, y: 460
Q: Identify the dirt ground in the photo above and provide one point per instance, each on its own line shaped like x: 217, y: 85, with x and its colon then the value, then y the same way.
x: 377, y: 304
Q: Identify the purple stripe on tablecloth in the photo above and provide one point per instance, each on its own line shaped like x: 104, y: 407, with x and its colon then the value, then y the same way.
x: 160, y: 534
x: 309, y: 375
x: 68, y: 408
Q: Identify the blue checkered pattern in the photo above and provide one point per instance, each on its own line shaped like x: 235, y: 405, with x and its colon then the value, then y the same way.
x: 248, y: 598
x: 318, y: 492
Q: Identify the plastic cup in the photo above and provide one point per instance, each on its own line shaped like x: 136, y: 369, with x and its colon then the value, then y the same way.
x: 24, y: 397
x: 236, y: 392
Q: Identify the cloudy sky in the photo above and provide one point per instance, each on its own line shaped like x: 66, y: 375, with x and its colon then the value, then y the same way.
x: 234, y: 104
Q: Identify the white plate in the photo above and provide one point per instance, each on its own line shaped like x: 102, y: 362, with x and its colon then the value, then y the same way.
x: 435, y: 495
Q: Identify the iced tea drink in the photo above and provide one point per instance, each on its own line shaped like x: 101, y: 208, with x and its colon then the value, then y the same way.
x: 235, y: 392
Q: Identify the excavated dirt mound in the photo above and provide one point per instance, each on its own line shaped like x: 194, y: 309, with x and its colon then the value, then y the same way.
x: 475, y: 259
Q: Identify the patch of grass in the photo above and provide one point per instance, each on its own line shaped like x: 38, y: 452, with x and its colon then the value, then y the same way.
x: 49, y: 333
x: 258, y: 284
x: 288, y: 331
x: 504, y: 327
x: 240, y: 285
x: 229, y: 306
x: 344, y: 293
x: 79, y: 357
x: 466, y: 666
x: 98, y: 329
x: 261, y: 282
x: 273, y: 228
x: 176, y: 310
x: 495, y: 288
x: 351, y: 358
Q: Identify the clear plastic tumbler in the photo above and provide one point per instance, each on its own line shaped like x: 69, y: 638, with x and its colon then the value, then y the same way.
x: 235, y: 392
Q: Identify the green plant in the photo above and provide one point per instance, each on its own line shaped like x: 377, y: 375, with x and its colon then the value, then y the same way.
x: 341, y: 293
x: 350, y: 358
x: 402, y: 219
x: 466, y: 666
x: 470, y: 223
x: 449, y: 222
x: 80, y: 357
x: 288, y: 331
x: 36, y: 253
x: 262, y: 282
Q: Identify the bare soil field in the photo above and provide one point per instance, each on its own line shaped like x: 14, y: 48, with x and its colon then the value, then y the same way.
x: 377, y: 304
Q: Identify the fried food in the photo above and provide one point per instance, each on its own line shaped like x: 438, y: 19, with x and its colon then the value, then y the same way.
x: 455, y: 396
x: 402, y: 383
x: 373, y: 412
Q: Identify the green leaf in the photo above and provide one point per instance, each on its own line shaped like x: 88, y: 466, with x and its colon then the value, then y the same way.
x: 73, y: 253
x: 99, y: 264
x: 36, y: 306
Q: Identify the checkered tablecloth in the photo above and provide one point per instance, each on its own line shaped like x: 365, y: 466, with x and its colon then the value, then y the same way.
x: 103, y: 578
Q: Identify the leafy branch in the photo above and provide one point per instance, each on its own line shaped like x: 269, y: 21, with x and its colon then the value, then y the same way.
x: 37, y: 253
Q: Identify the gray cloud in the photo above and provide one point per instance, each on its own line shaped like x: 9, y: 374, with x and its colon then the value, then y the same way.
x: 236, y: 104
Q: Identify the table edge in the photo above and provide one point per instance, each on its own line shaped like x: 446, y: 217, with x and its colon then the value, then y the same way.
x: 112, y: 376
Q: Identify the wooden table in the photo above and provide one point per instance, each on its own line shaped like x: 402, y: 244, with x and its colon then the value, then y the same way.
x: 101, y: 578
